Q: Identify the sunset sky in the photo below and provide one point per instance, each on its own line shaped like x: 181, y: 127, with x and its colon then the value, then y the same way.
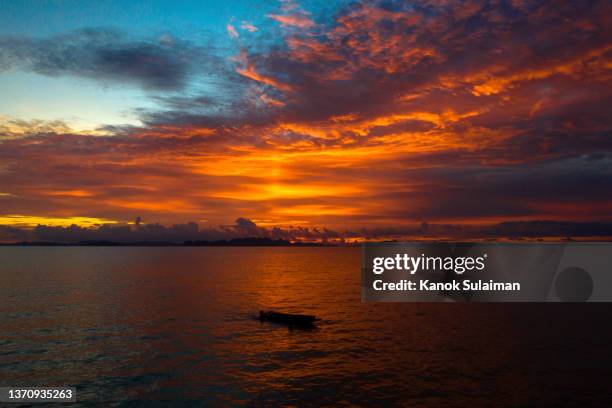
x: 311, y: 114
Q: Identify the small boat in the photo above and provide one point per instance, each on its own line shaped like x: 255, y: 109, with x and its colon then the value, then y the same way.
x: 288, y: 318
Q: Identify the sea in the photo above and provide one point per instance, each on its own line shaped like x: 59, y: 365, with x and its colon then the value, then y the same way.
x: 178, y: 326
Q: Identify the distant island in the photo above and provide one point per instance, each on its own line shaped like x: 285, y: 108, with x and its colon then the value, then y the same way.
x: 232, y: 242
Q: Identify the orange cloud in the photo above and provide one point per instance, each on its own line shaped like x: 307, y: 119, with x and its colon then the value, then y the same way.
x: 299, y: 20
x: 248, y: 70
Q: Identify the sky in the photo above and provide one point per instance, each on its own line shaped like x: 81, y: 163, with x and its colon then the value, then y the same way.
x: 308, y: 118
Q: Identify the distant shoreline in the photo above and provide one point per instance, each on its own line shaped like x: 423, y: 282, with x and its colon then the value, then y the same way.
x: 238, y: 242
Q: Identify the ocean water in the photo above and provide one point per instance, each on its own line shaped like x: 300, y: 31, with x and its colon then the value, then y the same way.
x: 160, y: 326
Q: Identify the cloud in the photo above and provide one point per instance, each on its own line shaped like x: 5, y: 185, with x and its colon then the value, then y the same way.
x: 391, y: 113
x: 13, y: 234
x: 245, y: 25
x: 153, y: 232
x: 191, y: 231
x: 232, y: 31
x: 299, y: 20
x: 163, y: 64
x: 245, y: 223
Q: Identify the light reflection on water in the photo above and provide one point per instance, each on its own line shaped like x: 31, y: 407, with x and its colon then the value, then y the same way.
x: 145, y: 325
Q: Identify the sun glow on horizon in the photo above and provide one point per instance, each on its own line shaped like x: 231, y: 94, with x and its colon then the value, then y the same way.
x: 30, y: 221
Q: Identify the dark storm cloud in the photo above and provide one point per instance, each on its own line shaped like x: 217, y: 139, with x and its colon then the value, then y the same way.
x: 105, y: 55
x: 13, y: 234
x: 549, y: 229
x: 498, y: 231
x: 153, y: 232
x: 190, y: 232
x: 573, y: 187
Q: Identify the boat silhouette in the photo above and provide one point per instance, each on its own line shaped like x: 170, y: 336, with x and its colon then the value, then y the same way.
x: 290, y: 319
